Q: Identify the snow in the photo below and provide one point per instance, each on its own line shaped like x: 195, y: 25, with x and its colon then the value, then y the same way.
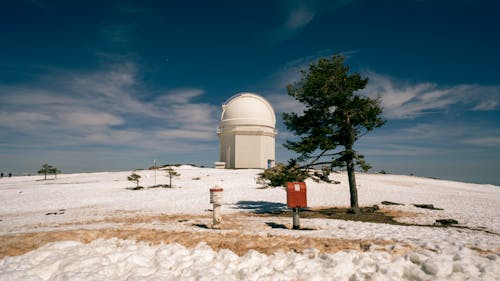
x: 89, y: 200
x: 114, y: 259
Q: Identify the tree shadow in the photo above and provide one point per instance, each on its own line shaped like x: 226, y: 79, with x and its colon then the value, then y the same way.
x: 276, y: 225
x: 261, y: 207
x: 201, y: 225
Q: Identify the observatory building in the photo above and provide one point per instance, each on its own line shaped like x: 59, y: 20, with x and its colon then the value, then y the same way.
x: 247, y: 133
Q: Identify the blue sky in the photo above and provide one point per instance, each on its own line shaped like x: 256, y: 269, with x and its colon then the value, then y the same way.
x: 113, y: 85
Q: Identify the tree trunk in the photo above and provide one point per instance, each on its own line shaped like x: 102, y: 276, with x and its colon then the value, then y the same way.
x: 353, y: 190
x: 352, y: 187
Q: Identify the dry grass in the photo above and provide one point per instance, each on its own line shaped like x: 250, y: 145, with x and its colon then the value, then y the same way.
x: 13, y: 245
x: 135, y: 226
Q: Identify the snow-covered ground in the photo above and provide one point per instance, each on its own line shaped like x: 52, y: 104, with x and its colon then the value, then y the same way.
x: 105, y: 200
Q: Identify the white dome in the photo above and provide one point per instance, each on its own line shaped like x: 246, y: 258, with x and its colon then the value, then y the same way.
x: 248, y: 109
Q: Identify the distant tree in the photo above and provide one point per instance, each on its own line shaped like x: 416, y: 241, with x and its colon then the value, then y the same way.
x: 171, y: 173
x: 134, y: 178
x: 54, y: 171
x: 334, y: 116
x: 47, y: 170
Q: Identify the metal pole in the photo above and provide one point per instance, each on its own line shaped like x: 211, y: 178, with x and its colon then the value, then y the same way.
x: 296, y: 218
x: 154, y: 165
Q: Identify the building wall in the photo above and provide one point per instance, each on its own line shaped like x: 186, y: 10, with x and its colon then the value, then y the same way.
x: 267, y: 151
x: 247, y: 151
x: 247, y: 146
x: 226, y: 149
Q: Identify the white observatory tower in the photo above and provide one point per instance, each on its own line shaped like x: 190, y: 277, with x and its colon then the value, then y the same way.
x: 247, y: 132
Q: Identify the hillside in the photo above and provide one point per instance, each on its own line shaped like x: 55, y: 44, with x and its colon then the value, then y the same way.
x: 107, y: 220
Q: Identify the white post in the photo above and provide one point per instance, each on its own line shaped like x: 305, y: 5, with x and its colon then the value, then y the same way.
x: 216, y: 200
x: 217, y: 219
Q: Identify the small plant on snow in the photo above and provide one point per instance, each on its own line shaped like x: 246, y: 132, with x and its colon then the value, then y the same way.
x: 170, y: 174
x: 48, y: 169
x: 134, y: 178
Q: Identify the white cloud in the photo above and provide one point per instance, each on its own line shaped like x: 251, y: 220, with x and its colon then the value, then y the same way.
x: 300, y: 13
x: 491, y: 141
x: 109, y: 106
x: 284, y: 103
x: 180, y: 96
x: 299, y: 17
x: 90, y: 119
x: 403, y: 100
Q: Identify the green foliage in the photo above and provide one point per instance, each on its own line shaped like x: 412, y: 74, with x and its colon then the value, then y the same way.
x: 335, y: 116
x: 134, y: 178
x: 280, y: 174
x: 48, y: 170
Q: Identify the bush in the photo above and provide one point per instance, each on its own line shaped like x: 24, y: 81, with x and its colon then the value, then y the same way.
x: 324, y: 175
x: 134, y: 178
x: 280, y: 174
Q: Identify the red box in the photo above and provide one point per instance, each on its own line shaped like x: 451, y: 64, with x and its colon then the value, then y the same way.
x: 296, y: 195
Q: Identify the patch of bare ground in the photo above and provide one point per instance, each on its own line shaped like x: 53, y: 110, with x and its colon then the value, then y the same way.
x: 133, y: 218
x: 128, y: 226
x: 13, y: 245
x: 372, y: 214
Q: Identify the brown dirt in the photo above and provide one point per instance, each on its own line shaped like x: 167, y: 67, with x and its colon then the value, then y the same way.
x: 367, y: 214
x: 12, y: 245
x: 228, y: 238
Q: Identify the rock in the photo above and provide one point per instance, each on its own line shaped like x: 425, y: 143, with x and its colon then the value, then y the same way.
x: 446, y: 221
x: 427, y: 206
x: 391, y: 203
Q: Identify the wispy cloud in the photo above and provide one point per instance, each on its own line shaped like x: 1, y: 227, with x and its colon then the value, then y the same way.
x: 298, y: 14
x: 403, y: 100
x: 400, y: 99
x: 180, y: 96
x: 491, y: 141
x: 108, y: 106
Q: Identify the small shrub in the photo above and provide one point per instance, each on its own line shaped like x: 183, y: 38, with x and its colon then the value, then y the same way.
x: 171, y: 173
x: 134, y: 178
x: 280, y: 174
x: 46, y: 169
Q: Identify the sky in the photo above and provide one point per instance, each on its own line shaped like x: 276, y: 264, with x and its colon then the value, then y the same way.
x: 115, y: 85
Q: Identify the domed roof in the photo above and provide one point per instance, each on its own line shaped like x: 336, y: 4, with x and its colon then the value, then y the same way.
x: 248, y: 109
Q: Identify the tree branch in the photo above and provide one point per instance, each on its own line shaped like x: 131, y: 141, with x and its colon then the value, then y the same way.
x: 317, y: 158
x: 319, y: 163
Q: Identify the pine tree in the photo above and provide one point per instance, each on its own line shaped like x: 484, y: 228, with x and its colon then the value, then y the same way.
x: 171, y: 173
x: 48, y: 169
x: 335, y: 116
x: 134, y: 178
